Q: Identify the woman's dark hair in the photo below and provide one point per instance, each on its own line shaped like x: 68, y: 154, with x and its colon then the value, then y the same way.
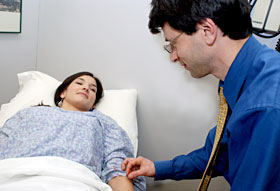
x: 231, y: 16
x: 70, y: 79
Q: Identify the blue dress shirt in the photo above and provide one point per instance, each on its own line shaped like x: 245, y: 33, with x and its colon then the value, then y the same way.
x: 249, y: 158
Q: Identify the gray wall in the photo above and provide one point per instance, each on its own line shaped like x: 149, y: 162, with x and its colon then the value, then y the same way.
x: 19, y: 51
x: 111, y: 39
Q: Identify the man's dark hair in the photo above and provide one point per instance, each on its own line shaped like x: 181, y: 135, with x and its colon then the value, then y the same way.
x: 70, y: 79
x: 231, y: 16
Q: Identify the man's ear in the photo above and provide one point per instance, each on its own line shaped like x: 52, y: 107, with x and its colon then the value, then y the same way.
x: 209, y: 29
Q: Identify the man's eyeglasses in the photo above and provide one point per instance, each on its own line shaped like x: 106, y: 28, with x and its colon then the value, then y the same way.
x: 169, y: 47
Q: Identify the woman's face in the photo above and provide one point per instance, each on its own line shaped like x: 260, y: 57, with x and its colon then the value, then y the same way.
x: 80, y: 95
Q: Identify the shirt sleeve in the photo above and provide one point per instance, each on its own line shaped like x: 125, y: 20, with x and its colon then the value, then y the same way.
x: 257, y: 142
x: 117, y: 147
x: 190, y: 166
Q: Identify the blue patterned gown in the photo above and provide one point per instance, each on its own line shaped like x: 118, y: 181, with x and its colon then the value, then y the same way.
x: 89, y: 138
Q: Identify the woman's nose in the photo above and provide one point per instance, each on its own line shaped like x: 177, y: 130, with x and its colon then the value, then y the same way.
x: 85, y: 87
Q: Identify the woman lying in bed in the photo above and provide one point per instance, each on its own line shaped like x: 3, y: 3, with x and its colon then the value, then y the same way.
x: 72, y: 131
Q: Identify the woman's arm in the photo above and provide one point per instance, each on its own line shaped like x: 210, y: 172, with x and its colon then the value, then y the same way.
x: 117, y: 147
x: 121, y: 183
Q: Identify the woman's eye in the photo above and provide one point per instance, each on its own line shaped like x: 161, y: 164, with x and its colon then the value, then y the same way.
x: 79, y: 83
x: 93, y: 90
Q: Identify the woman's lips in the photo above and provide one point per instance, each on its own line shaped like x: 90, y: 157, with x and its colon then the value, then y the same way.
x: 84, y: 94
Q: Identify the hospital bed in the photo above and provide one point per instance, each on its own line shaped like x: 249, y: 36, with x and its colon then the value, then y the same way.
x: 36, y: 87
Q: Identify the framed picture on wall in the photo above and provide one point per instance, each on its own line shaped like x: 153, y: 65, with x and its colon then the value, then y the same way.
x: 10, y: 16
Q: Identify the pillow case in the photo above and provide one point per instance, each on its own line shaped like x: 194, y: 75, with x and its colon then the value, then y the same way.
x: 36, y: 87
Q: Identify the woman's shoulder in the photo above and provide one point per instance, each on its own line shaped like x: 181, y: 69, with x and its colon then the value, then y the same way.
x: 103, y: 117
x: 33, y: 109
x: 39, y: 111
x: 28, y: 113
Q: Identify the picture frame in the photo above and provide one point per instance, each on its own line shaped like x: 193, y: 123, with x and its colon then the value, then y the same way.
x: 10, y: 16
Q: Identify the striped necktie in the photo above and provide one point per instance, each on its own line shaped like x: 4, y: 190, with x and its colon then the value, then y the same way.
x: 219, y: 132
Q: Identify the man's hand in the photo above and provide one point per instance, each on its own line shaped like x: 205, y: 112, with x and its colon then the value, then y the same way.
x: 139, y: 166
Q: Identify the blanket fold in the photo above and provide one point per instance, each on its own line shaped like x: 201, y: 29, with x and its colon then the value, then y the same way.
x: 48, y: 174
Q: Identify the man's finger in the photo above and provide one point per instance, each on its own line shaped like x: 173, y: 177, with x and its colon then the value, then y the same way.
x: 132, y: 163
x: 135, y: 174
x: 124, y: 163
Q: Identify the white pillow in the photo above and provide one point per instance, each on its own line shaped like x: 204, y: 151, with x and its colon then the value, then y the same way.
x: 36, y: 87
x: 121, y: 106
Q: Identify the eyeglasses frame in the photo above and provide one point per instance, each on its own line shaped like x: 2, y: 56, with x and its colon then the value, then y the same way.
x: 170, y: 46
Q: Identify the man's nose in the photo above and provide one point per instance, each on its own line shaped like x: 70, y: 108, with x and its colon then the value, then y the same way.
x: 173, y: 56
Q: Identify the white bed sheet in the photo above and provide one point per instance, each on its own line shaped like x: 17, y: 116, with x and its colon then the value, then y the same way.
x: 47, y: 174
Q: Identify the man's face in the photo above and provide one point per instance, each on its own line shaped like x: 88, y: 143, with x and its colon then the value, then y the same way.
x: 189, y: 50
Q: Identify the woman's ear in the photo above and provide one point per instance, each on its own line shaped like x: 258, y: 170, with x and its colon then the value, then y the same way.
x: 63, y: 94
x: 209, y: 29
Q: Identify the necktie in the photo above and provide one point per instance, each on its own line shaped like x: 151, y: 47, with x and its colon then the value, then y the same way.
x: 219, y: 131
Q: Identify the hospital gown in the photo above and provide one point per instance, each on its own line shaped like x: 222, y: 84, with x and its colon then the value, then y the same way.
x: 89, y: 138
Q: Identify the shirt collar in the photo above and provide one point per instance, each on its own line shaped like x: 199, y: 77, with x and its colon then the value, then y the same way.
x: 237, y: 73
